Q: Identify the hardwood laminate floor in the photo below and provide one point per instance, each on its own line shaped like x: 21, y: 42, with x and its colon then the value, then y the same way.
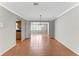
x: 39, y: 45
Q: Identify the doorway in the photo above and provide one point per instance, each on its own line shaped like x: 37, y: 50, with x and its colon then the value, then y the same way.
x: 18, y: 31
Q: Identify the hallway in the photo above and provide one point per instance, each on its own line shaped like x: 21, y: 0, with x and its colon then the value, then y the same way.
x: 39, y: 45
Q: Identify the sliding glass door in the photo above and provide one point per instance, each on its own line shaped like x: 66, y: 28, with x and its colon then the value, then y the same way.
x: 37, y: 27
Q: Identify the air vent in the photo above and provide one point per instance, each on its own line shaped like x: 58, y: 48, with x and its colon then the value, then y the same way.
x: 35, y: 3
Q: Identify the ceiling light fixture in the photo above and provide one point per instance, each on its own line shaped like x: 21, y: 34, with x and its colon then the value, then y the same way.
x: 35, y: 3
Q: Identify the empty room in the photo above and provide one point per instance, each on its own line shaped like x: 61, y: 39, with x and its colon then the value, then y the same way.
x: 39, y: 28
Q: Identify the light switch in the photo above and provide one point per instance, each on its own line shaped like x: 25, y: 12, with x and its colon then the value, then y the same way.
x: 1, y: 25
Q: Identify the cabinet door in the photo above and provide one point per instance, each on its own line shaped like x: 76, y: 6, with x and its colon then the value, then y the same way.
x: 18, y: 35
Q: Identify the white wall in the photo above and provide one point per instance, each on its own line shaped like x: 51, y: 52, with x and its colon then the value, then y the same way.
x: 23, y: 29
x: 7, y: 30
x: 67, y: 29
x: 28, y: 29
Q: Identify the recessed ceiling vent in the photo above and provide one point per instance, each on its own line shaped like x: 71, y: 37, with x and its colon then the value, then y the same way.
x: 35, y: 3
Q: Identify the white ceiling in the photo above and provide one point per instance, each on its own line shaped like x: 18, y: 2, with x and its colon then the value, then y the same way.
x: 48, y: 10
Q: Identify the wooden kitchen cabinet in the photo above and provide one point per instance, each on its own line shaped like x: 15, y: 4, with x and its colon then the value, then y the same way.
x: 18, y: 35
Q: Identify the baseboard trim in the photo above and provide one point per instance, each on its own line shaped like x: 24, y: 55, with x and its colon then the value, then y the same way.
x: 7, y: 49
x: 68, y: 47
x: 51, y: 37
x: 27, y: 38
